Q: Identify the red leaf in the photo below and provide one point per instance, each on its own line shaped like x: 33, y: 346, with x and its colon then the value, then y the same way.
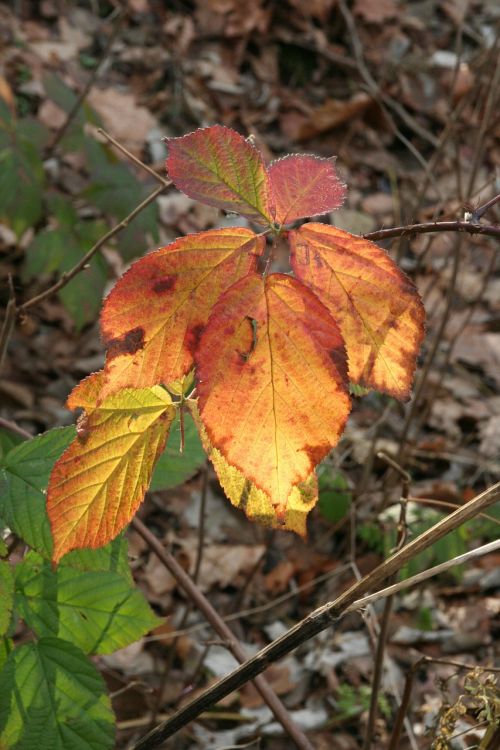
x: 304, y: 185
x: 153, y: 318
x: 218, y: 166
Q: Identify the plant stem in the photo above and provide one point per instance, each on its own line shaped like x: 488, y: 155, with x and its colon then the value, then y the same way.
x: 319, y: 620
x: 435, y: 226
x: 227, y: 636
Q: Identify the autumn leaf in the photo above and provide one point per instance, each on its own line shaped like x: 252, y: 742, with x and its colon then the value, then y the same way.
x: 304, y: 185
x: 272, y: 382
x: 100, y: 480
x: 153, y: 317
x: 377, y: 307
x: 218, y: 166
x: 256, y: 505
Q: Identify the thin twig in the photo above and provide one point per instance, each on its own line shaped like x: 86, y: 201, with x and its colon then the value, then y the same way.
x: 119, y: 19
x: 384, y: 620
x: 68, y: 275
x: 8, y: 322
x: 478, y: 213
x: 13, y: 427
x: 220, y: 627
x: 427, y: 227
x: 319, y: 620
x: 169, y: 659
x: 133, y: 158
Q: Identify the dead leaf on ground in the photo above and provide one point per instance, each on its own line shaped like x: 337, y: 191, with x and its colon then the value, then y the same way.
x: 128, y: 122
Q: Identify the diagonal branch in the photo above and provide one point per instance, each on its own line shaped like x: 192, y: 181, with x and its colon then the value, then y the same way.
x: 220, y: 627
x: 68, y: 275
x: 317, y: 621
x: 428, y: 227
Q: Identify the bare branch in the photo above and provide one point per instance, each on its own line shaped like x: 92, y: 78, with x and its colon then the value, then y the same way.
x: 319, y: 620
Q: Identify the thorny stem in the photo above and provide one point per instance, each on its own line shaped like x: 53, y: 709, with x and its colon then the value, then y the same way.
x: 133, y: 158
x: 202, y: 603
x: 317, y: 621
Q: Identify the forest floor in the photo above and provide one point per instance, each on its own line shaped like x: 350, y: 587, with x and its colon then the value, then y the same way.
x: 406, y: 95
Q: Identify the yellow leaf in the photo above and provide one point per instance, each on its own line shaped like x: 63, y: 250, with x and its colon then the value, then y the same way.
x: 100, y: 480
x: 254, y: 502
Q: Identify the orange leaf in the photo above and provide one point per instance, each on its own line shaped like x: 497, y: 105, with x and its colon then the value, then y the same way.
x: 154, y: 316
x: 255, y: 503
x: 218, y: 166
x: 100, y: 480
x: 376, y: 306
x: 272, y: 382
x: 304, y: 185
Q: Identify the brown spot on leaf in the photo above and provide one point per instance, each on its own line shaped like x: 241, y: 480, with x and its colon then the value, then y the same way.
x: 129, y: 343
x: 165, y: 284
x: 193, y: 336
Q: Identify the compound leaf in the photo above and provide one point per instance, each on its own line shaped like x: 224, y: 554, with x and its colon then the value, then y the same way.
x: 25, y: 471
x: 99, y: 482
x: 52, y: 696
x: 304, y: 185
x: 376, y: 306
x: 255, y: 503
x: 153, y: 317
x: 272, y: 383
x: 98, y: 611
x: 218, y: 166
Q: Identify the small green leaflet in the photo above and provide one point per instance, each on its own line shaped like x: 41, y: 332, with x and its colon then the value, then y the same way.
x: 53, y: 698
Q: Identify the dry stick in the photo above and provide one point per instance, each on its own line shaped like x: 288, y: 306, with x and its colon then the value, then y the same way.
x: 133, y: 158
x: 8, y: 322
x: 384, y: 620
x: 317, y: 621
x: 437, y: 226
x: 187, y: 609
x: 218, y: 624
x: 68, y: 275
x: 90, y: 82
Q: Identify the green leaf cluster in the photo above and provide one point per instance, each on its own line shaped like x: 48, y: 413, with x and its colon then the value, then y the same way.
x: 29, y: 198
x: 51, y: 694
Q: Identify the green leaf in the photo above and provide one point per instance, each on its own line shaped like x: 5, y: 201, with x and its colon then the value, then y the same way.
x: 65, y: 98
x: 113, y: 557
x: 6, y: 646
x: 21, y: 187
x: 8, y: 440
x: 173, y: 467
x: 334, y: 494
x: 52, y: 697
x: 25, y: 473
x: 116, y: 191
x: 58, y: 250
x: 6, y: 596
x: 98, y: 611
